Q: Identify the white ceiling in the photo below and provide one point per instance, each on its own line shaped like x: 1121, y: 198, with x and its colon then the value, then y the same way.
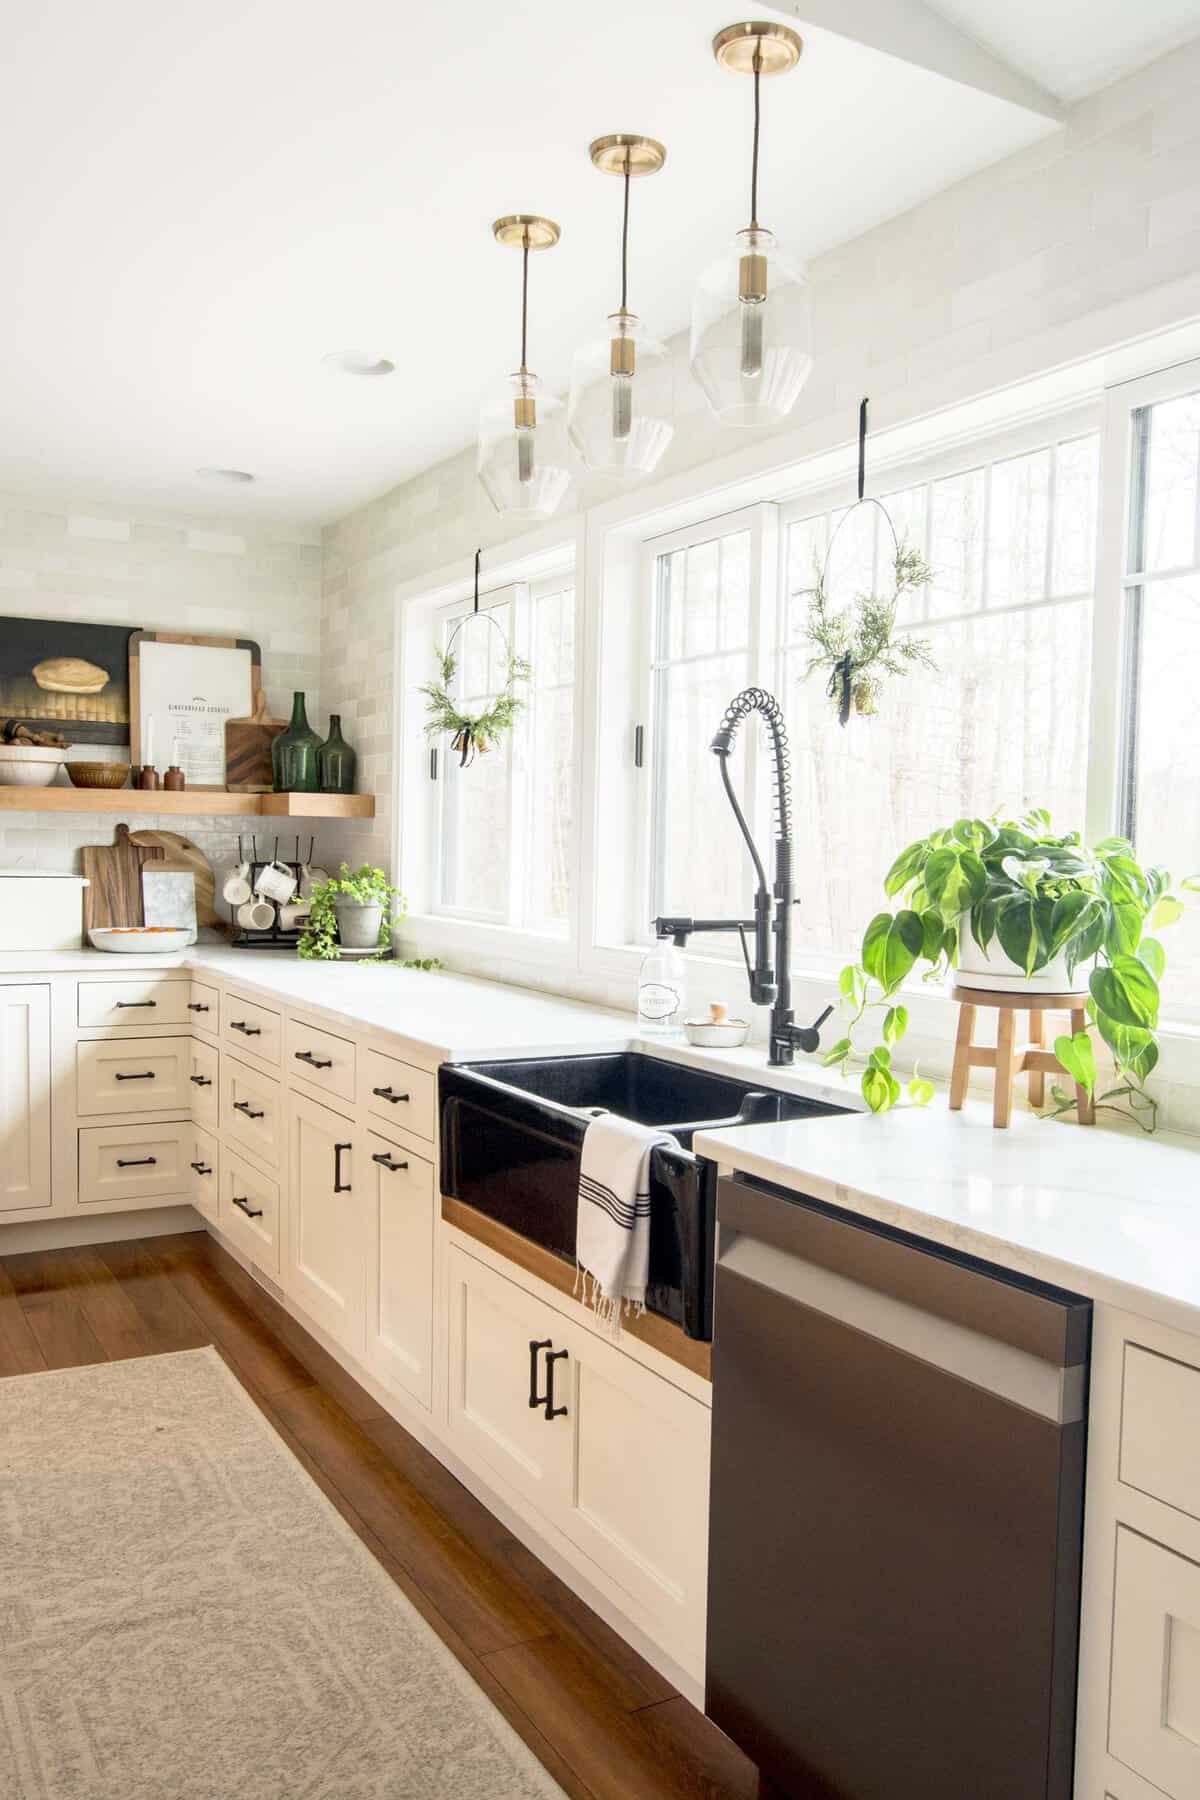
x: 1074, y: 47
x: 202, y: 201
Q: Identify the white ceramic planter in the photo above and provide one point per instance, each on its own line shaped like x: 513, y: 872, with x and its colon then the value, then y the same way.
x: 997, y: 973
x: 359, y: 923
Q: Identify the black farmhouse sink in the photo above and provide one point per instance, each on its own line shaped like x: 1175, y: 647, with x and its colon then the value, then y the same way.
x: 512, y: 1132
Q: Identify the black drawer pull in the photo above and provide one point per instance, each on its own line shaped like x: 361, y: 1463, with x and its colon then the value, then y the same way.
x: 552, y: 1411
x: 385, y: 1161
x: 244, y: 1106
x: 340, y: 1186
x: 247, y: 1030
x: 251, y: 1212
x: 200, y: 1080
x: 536, y: 1344
x: 136, y: 1162
x: 314, y: 1062
x: 196, y: 1006
x: 387, y: 1094
x: 202, y: 1168
x: 148, y: 1076
x: 131, y: 1005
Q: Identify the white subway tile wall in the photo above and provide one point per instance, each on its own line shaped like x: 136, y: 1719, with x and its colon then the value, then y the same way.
x: 163, y: 571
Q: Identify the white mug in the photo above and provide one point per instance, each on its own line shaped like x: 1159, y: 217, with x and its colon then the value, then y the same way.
x: 294, y: 915
x: 237, y: 885
x: 256, y: 915
x: 276, y: 882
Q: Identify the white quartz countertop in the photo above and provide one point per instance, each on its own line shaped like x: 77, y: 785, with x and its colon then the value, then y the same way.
x: 1105, y: 1211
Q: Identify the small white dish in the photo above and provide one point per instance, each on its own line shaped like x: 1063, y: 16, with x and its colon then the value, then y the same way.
x: 718, y: 1031
x: 136, y: 940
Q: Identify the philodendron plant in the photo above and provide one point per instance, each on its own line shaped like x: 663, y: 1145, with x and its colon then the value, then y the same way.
x: 1039, y: 896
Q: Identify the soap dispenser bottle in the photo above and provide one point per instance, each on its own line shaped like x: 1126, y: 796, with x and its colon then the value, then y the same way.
x: 662, y: 990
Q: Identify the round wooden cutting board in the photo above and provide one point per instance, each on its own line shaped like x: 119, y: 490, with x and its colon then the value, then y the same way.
x: 181, y: 851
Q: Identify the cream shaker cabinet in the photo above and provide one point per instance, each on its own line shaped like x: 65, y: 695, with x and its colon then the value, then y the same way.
x: 399, y: 1245
x: 24, y: 1098
x: 325, y: 1269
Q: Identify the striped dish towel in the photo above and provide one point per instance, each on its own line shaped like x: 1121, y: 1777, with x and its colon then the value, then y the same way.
x: 612, y: 1233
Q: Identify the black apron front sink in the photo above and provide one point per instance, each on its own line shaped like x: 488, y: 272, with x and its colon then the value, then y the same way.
x: 512, y: 1134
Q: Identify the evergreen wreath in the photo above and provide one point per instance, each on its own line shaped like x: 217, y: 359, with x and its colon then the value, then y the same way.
x: 859, y: 645
x: 470, y: 733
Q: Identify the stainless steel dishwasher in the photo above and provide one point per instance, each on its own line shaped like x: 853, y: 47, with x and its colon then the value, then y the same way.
x: 897, y: 1506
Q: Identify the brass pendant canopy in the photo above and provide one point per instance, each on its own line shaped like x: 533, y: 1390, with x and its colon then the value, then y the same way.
x: 526, y: 231
x: 624, y: 153
x: 777, y: 48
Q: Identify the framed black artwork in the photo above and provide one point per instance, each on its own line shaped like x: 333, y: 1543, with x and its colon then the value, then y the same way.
x: 61, y: 675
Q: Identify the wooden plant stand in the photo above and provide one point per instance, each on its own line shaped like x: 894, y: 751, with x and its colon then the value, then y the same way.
x: 1010, y: 1059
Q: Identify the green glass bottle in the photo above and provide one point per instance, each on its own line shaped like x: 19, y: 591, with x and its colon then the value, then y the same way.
x: 337, y: 760
x: 294, y: 754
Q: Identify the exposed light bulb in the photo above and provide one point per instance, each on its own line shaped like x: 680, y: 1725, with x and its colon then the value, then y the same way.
x: 751, y: 337
x: 524, y: 455
x: 622, y: 406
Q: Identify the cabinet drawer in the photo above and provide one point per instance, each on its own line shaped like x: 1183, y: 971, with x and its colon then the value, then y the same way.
x: 130, y: 1075
x: 316, y: 1055
x: 251, y: 1110
x: 204, y: 1162
x: 204, y: 1007
x: 1154, y: 1698
x: 203, y: 1070
x: 401, y: 1094
x: 134, y: 1162
x: 149, y: 1001
x: 249, y: 1212
x: 247, y: 1025
x: 1160, y: 1428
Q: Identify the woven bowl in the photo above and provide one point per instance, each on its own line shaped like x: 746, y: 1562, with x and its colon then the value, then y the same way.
x: 97, y: 774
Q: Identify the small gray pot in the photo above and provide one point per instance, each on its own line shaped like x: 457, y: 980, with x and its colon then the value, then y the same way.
x: 359, y: 923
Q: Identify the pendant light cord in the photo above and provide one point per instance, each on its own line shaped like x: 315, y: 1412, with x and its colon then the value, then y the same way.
x: 524, y: 298
x: 478, y: 554
x: 625, y: 241
x: 754, y: 153
x: 862, y: 447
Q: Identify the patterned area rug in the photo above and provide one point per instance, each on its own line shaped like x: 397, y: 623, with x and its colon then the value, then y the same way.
x: 184, y: 1616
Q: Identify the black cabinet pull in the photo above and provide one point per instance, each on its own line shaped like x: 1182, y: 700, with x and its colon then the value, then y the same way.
x: 251, y: 1212
x: 200, y: 1080
x: 243, y: 1106
x: 136, y: 1162
x: 202, y: 1168
x: 148, y: 1076
x: 246, y: 1030
x: 340, y: 1186
x: 536, y: 1344
x: 552, y: 1411
x: 132, y: 1005
x: 195, y: 1006
x: 385, y: 1161
x: 314, y: 1062
x: 387, y: 1094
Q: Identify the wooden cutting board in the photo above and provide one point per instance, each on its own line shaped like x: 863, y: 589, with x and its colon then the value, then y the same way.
x: 114, y: 873
x: 185, y: 855
x: 248, y: 750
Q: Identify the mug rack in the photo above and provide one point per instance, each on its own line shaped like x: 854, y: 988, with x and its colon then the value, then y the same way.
x: 274, y: 937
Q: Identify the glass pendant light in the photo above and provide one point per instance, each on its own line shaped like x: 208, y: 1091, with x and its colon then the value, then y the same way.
x: 522, y: 459
x: 619, y: 412
x: 751, y: 325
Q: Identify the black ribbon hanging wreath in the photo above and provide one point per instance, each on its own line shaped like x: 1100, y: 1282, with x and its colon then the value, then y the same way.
x: 474, y: 735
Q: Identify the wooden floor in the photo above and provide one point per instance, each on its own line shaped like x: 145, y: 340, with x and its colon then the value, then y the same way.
x: 603, y: 1722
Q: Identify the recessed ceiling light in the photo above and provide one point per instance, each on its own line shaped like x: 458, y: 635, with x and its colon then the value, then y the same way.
x: 358, y: 362
x: 225, y: 474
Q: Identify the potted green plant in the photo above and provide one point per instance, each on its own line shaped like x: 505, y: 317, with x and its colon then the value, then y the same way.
x: 1011, y: 905
x: 353, y: 909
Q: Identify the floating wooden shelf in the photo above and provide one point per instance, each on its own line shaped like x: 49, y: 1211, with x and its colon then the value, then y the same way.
x: 194, y: 802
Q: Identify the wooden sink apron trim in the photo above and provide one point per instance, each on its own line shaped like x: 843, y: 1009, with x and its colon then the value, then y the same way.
x: 661, y: 1334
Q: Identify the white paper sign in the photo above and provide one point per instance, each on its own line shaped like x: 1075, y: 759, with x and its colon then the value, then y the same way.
x: 187, y: 691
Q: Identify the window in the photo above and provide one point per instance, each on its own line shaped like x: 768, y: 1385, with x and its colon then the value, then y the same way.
x: 1160, y: 773
x: 1002, y: 721
x: 503, y: 826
